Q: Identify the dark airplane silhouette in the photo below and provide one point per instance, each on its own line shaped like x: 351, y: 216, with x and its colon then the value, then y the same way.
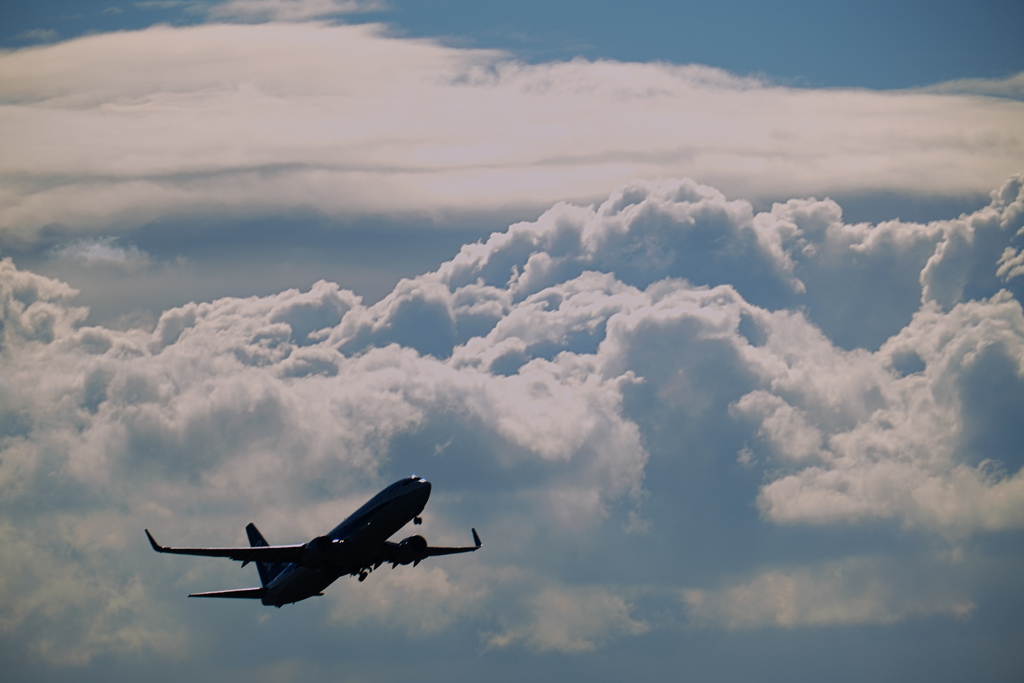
x: 357, y: 546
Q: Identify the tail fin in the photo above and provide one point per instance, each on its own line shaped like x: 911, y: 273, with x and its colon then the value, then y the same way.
x: 268, y: 570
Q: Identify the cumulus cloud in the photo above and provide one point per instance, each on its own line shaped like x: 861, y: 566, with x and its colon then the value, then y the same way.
x: 114, y: 131
x: 571, y: 621
x: 539, y: 377
x: 43, y: 593
x: 419, y: 602
x: 908, y: 454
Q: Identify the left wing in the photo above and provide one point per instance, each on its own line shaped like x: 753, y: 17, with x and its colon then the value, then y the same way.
x: 266, y: 553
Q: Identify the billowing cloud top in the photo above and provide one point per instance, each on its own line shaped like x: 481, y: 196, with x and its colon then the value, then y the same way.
x: 658, y: 372
x: 110, y: 132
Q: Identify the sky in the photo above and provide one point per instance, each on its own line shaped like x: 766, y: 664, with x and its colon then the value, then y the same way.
x: 706, y: 315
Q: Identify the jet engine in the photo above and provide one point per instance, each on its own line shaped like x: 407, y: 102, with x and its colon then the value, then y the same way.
x: 410, y: 551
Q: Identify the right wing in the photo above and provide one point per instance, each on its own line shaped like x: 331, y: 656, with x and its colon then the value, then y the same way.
x: 266, y: 553
x: 433, y: 551
x: 414, y: 550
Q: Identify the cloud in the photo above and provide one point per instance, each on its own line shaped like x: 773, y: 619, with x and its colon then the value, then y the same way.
x: 572, y: 621
x: 419, y: 603
x: 30, y: 311
x: 575, y: 385
x: 101, y: 252
x: 289, y: 10
x: 911, y: 458
x: 43, y: 594
x: 38, y: 35
x: 118, y: 130
x: 847, y: 592
x: 1011, y: 88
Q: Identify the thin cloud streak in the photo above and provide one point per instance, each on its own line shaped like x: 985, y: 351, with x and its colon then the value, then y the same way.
x: 289, y: 10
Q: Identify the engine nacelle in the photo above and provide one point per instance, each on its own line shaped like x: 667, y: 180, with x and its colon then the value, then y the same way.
x: 318, y: 552
x: 411, y: 550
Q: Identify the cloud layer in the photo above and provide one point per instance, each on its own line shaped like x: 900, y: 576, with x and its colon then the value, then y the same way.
x: 110, y: 132
x: 636, y: 374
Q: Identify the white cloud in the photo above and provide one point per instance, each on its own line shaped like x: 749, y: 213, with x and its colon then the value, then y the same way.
x: 850, y: 591
x: 117, y: 130
x: 29, y: 308
x: 901, y: 452
x: 45, y: 593
x: 1012, y: 88
x: 571, y: 620
x: 102, y: 252
x: 1011, y: 264
x: 973, y: 250
x: 784, y: 427
x: 419, y: 601
x: 538, y: 378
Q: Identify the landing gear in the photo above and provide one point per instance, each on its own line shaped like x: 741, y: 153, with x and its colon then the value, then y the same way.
x: 363, y: 575
x: 417, y: 520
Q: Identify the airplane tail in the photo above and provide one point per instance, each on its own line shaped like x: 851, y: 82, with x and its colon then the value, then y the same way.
x: 268, y: 570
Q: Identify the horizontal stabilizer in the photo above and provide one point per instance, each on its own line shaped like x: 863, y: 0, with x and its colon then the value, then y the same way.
x: 252, y: 593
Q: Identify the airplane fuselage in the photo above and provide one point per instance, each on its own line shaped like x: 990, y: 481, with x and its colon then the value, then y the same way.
x: 362, y: 533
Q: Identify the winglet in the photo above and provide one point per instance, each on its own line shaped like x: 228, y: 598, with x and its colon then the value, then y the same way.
x: 476, y: 538
x: 156, y: 546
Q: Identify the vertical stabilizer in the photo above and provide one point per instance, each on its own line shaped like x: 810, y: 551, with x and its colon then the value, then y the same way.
x: 268, y: 570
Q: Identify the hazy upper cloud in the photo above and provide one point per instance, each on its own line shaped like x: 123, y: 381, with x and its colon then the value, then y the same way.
x: 651, y: 374
x: 38, y: 35
x: 102, y: 252
x: 289, y: 10
x: 1012, y: 88
x: 109, y: 132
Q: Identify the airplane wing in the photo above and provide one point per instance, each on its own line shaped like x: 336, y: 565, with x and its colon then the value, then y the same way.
x: 254, y: 593
x: 414, y: 550
x: 266, y: 553
x: 434, y: 550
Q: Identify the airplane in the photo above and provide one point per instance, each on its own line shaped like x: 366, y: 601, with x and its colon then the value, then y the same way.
x: 357, y: 546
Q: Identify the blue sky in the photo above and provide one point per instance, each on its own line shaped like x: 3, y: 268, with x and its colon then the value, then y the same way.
x: 706, y: 315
